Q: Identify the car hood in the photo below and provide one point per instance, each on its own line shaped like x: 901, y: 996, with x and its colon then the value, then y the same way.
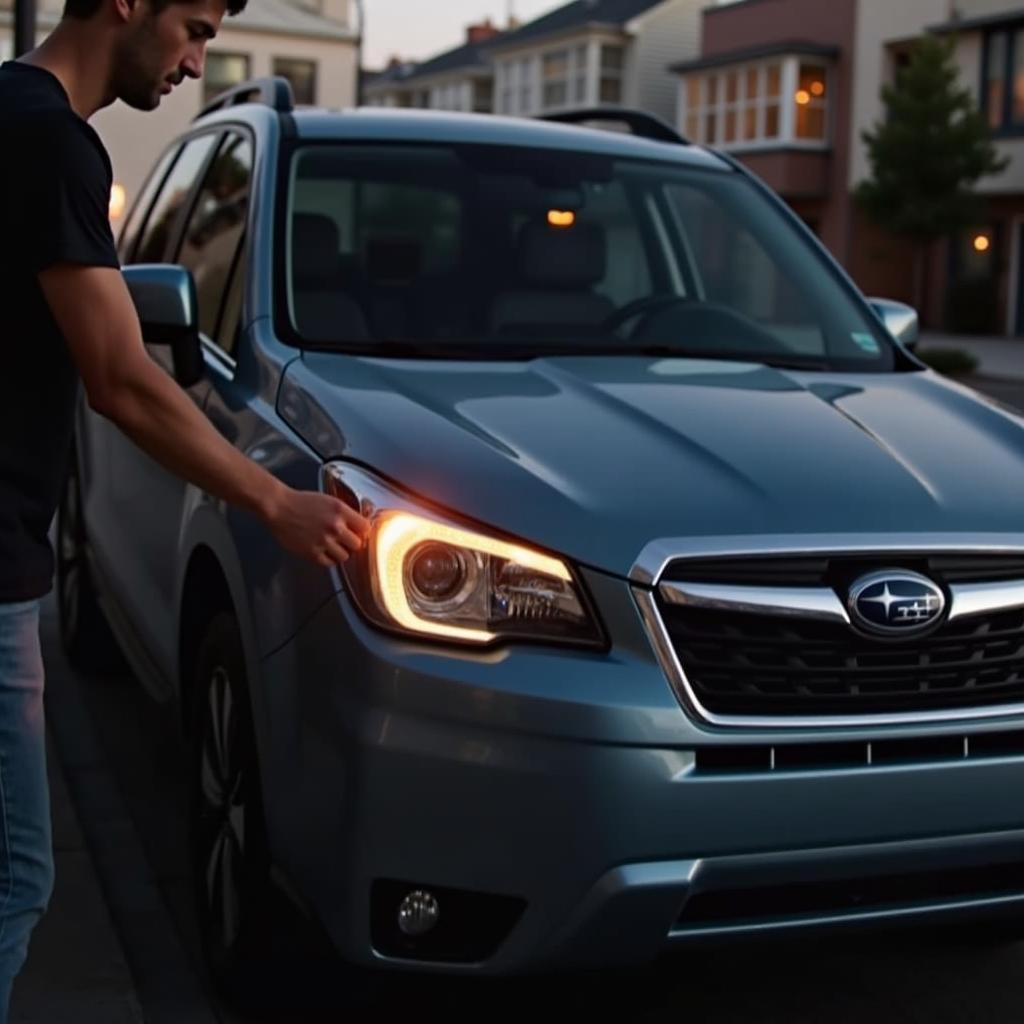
x: 596, y: 457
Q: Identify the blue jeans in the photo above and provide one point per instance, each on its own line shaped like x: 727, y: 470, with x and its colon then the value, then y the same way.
x: 26, y: 850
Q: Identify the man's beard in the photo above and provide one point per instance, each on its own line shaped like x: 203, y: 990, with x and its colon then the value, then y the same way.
x: 136, y: 84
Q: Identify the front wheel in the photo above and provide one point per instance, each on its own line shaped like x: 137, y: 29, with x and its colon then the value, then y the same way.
x: 230, y: 862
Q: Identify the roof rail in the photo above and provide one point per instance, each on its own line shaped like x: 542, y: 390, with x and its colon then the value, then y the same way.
x: 271, y: 92
x: 639, y: 122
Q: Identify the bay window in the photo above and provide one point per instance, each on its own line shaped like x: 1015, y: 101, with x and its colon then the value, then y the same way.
x: 760, y: 104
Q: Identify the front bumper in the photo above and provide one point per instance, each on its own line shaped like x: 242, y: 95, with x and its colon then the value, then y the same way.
x: 569, y: 781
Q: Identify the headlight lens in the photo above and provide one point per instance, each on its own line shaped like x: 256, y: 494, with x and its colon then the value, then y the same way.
x: 427, y: 575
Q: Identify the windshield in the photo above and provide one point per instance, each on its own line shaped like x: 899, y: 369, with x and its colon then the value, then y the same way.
x: 509, y: 252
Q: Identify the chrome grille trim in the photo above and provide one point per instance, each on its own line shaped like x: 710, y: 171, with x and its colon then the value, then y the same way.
x: 655, y: 558
x: 982, y: 598
x: 967, y: 600
x: 820, y: 603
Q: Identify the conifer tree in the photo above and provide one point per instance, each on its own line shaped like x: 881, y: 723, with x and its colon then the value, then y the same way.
x: 927, y: 155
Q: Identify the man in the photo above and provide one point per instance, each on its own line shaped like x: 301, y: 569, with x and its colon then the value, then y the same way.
x: 67, y: 315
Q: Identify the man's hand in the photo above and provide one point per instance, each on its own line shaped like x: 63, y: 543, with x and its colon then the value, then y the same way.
x: 317, y: 527
x: 96, y: 315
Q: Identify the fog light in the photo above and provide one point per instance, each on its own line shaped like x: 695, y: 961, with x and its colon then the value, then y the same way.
x: 418, y: 913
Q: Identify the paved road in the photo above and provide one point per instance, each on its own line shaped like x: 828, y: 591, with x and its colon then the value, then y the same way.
x: 132, y: 812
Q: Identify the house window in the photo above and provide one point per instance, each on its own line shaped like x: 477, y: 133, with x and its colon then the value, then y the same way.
x: 525, y: 86
x: 581, y: 62
x: 812, y: 103
x: 483, y: 96
x: 1003, y: 92
x: 555, y: 70
x: 223, y: 71
x: 564, y: 76
x: 504, y: 81
x: 302, y: 76
x: 612, y: 63
x: 743, y: 105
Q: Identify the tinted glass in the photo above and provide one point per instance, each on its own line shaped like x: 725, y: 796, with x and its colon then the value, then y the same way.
x: 166, y: 213
x: 497, y: 248
x: 130, y: 232
x: 215, y: 228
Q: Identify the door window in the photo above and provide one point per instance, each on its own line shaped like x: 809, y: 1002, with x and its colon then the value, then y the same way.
x: 213, y: 237
x: 130, y: 232
x: 167, y: 211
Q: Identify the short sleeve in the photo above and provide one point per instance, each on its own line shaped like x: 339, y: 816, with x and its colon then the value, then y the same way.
x: 70, y: 190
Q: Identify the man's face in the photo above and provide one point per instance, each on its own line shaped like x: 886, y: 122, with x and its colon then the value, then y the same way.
x: 158, y: 51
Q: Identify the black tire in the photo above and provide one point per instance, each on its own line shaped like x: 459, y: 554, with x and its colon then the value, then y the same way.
x: 272, y: 960
x: 85, y: 635
x: 227, y: 841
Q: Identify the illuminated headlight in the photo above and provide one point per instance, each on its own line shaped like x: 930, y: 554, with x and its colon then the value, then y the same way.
x: 427, y: 575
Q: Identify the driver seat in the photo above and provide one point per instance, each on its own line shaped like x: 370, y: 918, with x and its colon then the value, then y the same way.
x: 557, y: 270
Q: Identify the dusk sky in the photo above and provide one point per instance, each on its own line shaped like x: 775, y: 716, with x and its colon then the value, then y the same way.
x: 414, y: 29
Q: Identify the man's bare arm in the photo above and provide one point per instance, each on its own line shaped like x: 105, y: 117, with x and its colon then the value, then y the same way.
x: 96, y: 315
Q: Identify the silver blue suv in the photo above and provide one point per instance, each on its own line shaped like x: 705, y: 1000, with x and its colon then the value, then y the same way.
x: 694, y: 603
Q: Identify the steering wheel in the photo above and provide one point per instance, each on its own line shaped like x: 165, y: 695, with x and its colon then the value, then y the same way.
x: 644, y: 306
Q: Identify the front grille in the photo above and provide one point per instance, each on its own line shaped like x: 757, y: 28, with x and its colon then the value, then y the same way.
x: 746, y: 664
x: 840, y: 570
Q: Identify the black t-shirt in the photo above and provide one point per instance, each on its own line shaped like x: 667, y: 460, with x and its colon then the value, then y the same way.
x: 55, y: 181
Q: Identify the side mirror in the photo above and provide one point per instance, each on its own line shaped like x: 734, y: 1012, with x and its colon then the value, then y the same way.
x: 165, y: 299
x: 900, y: 321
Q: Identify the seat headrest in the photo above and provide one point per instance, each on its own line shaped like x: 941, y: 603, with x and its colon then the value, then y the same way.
x: 315, y: 249
x: 393, y: 259
x: 575, y: 257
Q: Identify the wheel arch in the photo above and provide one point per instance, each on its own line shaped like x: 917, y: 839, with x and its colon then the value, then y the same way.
x: 211, y: 581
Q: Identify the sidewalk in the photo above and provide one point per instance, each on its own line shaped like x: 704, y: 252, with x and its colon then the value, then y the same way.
x: 999, y: 358
x: 76, y: 972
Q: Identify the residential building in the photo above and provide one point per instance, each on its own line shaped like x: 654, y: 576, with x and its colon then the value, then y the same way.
x: 790, y: 86
x: 310, y: 42
x: 459, y: 79
x: 387, y: 88
x: 985, y: 265
x: 596, y: 52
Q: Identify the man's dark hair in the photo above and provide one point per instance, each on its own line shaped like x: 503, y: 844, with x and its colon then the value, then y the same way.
x: 85, y: 9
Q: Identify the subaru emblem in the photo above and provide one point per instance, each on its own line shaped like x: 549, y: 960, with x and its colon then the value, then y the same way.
x: 895, y: 603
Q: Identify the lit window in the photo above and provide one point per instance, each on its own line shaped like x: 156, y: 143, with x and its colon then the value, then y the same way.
x: 1003, y: 97
x: 744, y: 105
x: 223, y: 71
x: 811, y: 103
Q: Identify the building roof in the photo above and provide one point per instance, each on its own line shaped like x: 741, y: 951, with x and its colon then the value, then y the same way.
x: 283, y: 17
x: 393, y: 75
x: 467, y: 57
x: 576, y: 15
x: 1011, y: 15
x: 800, y: 48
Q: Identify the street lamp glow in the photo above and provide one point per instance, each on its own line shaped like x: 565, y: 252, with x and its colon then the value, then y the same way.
x: 982, y: 243
x: 118, y: 201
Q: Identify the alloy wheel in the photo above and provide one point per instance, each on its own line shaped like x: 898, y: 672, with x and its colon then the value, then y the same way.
x: 222, y: 813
